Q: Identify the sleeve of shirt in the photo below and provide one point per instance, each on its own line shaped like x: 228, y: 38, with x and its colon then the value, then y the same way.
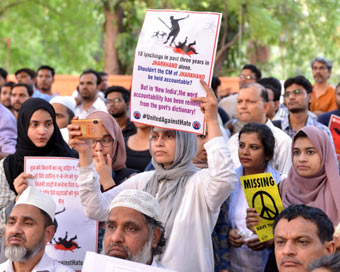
x: 8, y: 131
x: 218, y: 181
x: 7, y: 196
x: 95, y: 203
x: 220, y: 238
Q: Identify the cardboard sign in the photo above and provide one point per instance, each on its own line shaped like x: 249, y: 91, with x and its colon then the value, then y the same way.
x: 262, y: 193
x: 334, y: 127
x: 76, y: 233
x: 176, y: 49
x: 99, y: 262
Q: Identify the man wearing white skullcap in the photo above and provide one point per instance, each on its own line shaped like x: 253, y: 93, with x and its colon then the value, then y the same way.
x: 64, y: 107
x: 133, y: 228
x: 29, y: 227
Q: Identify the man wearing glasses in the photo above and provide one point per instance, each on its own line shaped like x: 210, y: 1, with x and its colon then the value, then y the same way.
x: 323, y: 96
x: 298, y: 91
x: 117, y: 103
x: 249, y: 74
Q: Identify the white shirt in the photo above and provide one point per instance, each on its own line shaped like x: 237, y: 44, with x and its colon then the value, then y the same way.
x: 98, y: 105
x: 282, y: 151
x: 45, y: 264
x: 189, y: 247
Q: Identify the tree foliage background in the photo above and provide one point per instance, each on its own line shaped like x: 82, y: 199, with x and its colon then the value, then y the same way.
x: 281, y: 37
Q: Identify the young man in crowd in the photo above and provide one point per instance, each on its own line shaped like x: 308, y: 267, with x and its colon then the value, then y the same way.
x: 5, y: 94
x: 20, y: 93
x: 298, y: 91
x: 45, y: 79
x: 88, y: 91
x: 28, y: 76
x: 118, y: 102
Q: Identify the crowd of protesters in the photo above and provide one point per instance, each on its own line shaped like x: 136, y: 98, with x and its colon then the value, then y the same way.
x: 173, y: 199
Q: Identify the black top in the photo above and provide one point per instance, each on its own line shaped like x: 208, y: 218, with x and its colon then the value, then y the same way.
x: 129, y: 129
x: 55, y: 147
x: 137, y: 159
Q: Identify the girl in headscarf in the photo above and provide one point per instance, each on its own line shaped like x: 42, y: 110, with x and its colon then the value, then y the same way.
x: 38, y: 135
x: 314, y: 178
x: 109, y: 153
x: 189, y: 199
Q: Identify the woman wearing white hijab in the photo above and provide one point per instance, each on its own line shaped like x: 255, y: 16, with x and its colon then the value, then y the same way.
x: 189, y: 198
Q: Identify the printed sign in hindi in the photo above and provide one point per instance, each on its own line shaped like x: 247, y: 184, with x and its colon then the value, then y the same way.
x: 262, y: 193
x: 75, y: 233
x: 176, y: 49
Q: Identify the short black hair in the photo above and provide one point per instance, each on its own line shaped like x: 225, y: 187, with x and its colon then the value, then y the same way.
x: 91, y: 71
x: 27, y: 86
x: 273, y: 84
x: 118, y: 89
x: 7, y: 84
x: 312, y: 214
x: 28, y: 71
x: 215, y: 82
x: 264, y: 93
x: 324, y: 61
x: 265, y: 135
x: 3, y: 73
x: 254, y: 69
x: 299, y: 80
x: 330, y: 262
x: 46, y: 67
x: 338, y: 85
x: 102, y: 73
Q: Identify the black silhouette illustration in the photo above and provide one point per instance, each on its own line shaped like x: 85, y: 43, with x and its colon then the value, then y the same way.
x: 64, y: 244
x: 270, y: 212
x: 174, y: 29
x: 187, y: 48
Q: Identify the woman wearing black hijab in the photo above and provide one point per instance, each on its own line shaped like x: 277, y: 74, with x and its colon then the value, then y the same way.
x: 38, y: 135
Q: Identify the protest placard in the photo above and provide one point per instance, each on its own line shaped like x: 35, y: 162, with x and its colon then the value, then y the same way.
x: 334, y: 127
x: 176, y: 49
x: 262, y: 193
x: 99, y: 262
x: 76, y: 233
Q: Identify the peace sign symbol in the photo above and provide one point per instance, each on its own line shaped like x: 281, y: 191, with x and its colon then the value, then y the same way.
x: 266, y: 200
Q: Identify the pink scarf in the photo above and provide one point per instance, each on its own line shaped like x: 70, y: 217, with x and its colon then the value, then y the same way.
x: 321, y: 190
x: 119, y: 153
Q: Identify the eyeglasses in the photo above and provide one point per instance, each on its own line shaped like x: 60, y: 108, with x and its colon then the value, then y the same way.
x: 295, y: 92
x: 106, y: 141
x: 113, y: 101
x: 246, y: 77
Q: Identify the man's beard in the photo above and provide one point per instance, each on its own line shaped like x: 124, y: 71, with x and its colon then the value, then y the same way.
x: 118, y: 114
x: 143, y: 256
x: 21, y: 253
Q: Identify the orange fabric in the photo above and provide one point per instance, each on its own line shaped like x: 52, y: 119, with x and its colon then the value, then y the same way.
x: 326, y: 102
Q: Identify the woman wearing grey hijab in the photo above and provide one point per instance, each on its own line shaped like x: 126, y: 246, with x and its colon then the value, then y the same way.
x: 189, y: 198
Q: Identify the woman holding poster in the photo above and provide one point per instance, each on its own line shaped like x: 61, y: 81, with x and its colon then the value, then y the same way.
x: 256, y: 149
x: 38, y: 135
x: 189, y: 198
